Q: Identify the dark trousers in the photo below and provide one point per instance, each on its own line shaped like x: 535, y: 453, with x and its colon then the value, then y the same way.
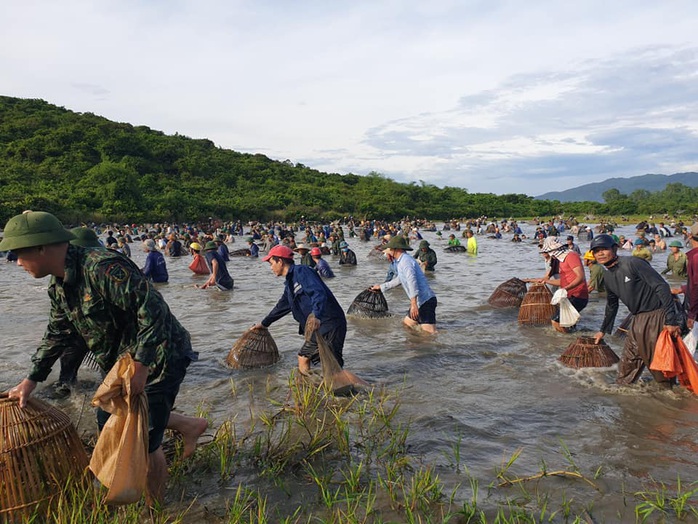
x: 638, y: 351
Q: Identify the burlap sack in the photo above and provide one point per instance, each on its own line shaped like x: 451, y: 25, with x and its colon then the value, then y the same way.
x: 120, y: 458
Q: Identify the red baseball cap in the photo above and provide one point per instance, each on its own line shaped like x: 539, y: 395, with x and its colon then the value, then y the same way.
x: 279, y: 251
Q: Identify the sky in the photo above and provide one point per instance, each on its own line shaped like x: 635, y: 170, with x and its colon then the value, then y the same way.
x: 487, y: 95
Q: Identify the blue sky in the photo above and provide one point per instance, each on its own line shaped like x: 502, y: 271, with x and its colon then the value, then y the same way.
x: 493, y: 96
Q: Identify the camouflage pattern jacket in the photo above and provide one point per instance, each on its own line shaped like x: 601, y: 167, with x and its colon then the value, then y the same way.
x: 105, y: 303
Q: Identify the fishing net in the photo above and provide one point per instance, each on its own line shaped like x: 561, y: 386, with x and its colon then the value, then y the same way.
x: 241, y: 253
x: 536, y: 308
x: 40, y: 451
x: 254, y: 349
x: 584, y: 353
x: 455, y: 249
x: 508, y: 294
x: 369, y: 304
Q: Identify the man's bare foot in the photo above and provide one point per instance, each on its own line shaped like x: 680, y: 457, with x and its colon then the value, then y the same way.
x: 191, y: 428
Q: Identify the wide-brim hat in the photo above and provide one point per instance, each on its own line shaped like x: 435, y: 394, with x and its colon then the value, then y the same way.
x: 301, y: 246
x: 398, y: 242
x: 34, y: 228
x: 551, y: 244
x: 210, y: 245
x: 85, y: 237
x: 423, y: 244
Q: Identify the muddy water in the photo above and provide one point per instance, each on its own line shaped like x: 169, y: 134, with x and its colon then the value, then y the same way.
x: 485, y: 380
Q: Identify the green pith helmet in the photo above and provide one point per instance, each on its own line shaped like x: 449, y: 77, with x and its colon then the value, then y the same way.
x: 397, y: 243
x: 85, y: 237
x: 210, y: 245
x: 34, y: 228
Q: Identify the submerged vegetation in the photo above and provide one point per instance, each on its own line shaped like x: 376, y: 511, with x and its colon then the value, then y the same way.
x: 83, y: 167
x: 306, y: 456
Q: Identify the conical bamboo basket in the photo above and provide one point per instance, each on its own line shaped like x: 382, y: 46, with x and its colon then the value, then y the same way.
x: 508, y: 294
x: 536, y: 308
x: 584, y: 353
x: 244, y: 252
x: 254, y: 349
x: 369, y: 304
x: 40, y: 451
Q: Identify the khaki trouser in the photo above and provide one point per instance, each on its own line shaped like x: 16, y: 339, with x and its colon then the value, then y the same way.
x: 639, y: 348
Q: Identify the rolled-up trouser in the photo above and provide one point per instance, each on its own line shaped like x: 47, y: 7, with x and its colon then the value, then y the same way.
x: 638, y: 351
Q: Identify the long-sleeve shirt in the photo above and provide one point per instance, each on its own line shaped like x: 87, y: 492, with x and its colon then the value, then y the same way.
x: 347, y: 257
x: 412, y: 279
x: 640, y: 288
x: 105, y: 302
x: 155, y: 267
x: 678, y: 267
x: 305, y: 293
x: 427, y: 257
x: 323, y: 268
x: 692, y: 265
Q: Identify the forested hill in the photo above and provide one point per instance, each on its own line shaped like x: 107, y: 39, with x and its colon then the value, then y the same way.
x: 84, y: 167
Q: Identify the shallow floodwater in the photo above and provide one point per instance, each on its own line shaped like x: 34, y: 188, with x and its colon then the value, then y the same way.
x: 484, y: 380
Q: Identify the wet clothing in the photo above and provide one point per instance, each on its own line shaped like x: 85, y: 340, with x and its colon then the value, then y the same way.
x: 412, y: 279
x: 224, y: 252
x: 596, y: 273
x: 224, y: 281
x: 254, y: 250
x: 155, y: 267
x: 305, y: 293
x: 105, y: 304
x: 427, y: 257
x: 678, y: 267
x: 323, y: 268
x: 648, y: 298
x: 347, y: 257
x: 692, y: 271
x: 567, y: 275
x: 643, y: 253
x: 472, y: 245
x: 174, y: 248
x: 307, y: 260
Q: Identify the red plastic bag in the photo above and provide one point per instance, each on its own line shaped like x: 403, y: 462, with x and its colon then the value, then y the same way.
x: 672, y: 358
x: 198, y: 265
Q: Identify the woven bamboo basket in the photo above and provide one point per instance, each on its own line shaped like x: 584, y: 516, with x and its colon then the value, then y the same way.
x: 622, y: 330
x: 536, y: 308
x: 254, y: 349
x: 583, y: 353
x: 508, y: 294
x: 240, y: 253
x: 369, y: 304
x: 455, y: 249
x: 40, y: 451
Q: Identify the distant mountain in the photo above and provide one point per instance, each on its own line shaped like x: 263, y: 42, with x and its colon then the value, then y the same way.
x: 593, y: 192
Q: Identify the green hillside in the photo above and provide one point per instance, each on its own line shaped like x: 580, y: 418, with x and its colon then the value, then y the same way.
x: 84, y: 167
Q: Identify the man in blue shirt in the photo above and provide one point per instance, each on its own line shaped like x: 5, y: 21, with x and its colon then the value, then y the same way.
x: 306, y: 293
x: 422, y: 311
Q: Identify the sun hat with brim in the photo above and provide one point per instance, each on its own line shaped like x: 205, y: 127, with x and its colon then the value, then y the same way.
x: 551, y: 244
x: 299, y: 247
x: 34, y: 228
x: 675, y: 243
x: 424, y: 244
x: 279, y: 251
x: 85, y: 237
x: 210, y: 245
x: 398, y: 242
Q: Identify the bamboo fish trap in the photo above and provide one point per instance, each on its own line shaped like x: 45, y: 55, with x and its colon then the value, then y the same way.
x: 508, y: 294
x: 40, y: 451
x: 583, y: 353
x: 254, y: 349
x: 455, y: 249
x: 244, y: 252
x: 369, y: 304
x: 536, y: 308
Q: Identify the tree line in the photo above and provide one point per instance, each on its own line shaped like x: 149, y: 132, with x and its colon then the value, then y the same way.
x: 82, y: 167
